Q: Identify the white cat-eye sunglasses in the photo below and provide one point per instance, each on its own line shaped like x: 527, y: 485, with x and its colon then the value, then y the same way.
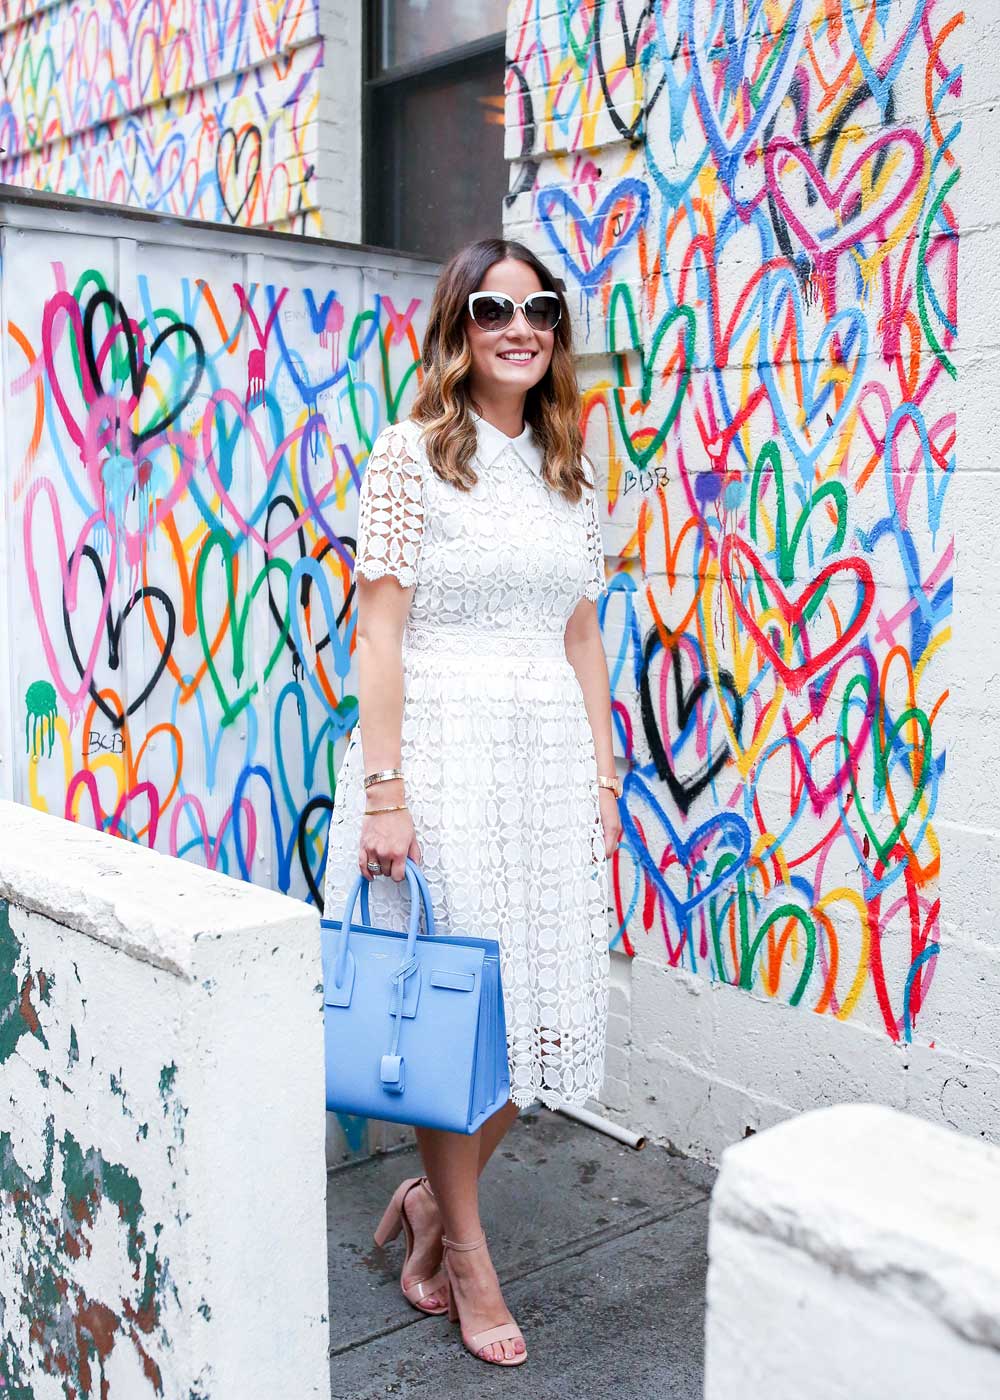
x: 494, y: 311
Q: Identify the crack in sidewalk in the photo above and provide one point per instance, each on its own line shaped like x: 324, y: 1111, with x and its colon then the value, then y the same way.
x: 575, y: 1250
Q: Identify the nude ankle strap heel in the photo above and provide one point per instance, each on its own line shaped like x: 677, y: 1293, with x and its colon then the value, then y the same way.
x: 453, y: 1244
x: 395, y: 1219
x: 506, y: 1332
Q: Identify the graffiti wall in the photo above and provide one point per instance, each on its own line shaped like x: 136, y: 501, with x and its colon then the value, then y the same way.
x: 185, y: 430
x: 753, y: 207
x: 202, y: 111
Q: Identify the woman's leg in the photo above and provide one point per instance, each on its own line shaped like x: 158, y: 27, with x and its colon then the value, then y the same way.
x: 494, y: 1130
x: 452, y: 1163
x: 422, y: 1209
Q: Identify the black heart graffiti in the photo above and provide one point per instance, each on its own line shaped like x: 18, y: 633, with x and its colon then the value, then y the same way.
x: 684, y: 789
x: 228, y: 161
x: 630, y: 50
x: 138, y: 368
x: 114, y: 626
x: 305, y: 592
x: 302, y: 842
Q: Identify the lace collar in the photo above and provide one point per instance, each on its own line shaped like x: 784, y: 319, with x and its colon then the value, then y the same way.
x: 491, y: 442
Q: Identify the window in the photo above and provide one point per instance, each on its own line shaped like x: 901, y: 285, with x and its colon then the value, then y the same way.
x: 435, y: 173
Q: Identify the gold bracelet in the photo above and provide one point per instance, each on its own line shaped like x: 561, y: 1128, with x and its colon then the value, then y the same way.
x: 371, y: 811
x: 385, y: 775
x: 615, y: 784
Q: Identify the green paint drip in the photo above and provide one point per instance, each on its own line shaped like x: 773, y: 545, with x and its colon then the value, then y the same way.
x: 167, y: 1076
x: 74, y: 1046
x: 42, y: 708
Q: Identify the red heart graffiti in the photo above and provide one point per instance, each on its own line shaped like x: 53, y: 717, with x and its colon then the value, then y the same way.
x: 918, y: 916
x: 793, y: 610
x: 816, y: 720
x: 853, y: 218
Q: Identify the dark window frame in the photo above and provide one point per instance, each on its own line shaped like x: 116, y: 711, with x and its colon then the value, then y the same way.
x: 381, y: 222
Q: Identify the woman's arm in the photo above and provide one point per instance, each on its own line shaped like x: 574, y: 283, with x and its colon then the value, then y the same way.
x: 585, y: 653
x: 382, y: 609
x: 390, y: 532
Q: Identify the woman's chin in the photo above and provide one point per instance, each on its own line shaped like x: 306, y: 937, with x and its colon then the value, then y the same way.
x: 524, y: 376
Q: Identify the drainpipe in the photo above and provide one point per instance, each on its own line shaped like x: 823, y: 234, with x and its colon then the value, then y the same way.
x: 604, y: 1125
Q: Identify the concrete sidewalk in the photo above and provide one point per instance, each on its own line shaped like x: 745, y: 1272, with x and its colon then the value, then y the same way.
x: 601, y: 1253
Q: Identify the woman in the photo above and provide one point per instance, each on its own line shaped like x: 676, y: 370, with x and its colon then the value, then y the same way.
x: 484, y: 700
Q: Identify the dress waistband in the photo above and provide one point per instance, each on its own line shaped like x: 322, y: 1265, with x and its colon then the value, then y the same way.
x: 477, y: 641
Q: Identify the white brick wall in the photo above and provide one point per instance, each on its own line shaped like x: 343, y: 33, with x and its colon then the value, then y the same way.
x: 693, y: 1060
x: 338, y: 193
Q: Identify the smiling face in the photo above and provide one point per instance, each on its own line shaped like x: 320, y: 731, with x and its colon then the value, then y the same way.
x: 508, y: 363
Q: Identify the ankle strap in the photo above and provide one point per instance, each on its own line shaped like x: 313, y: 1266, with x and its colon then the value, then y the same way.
x: 451, y: 1244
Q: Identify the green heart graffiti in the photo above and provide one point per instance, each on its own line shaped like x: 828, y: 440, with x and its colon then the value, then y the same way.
x: 769, y: 461
x: 882, y: 744
x: 682, y: 316
x: 808, y: 926
x: 238, y: 618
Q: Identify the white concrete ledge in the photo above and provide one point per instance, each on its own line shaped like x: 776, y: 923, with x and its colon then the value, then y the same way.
x: 148, y: 905
x: 857, y: 1250
x: 162, y: 1122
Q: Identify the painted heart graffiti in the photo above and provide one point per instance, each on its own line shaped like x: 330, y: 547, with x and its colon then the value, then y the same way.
x: 776, y: 411
x: 187, y: 554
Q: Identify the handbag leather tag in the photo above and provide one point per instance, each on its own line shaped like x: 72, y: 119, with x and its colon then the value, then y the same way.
x: 391, y: 1073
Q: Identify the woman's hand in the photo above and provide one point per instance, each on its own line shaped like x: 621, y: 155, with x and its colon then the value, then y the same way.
x: 389, y: 838
x: 611, y: 820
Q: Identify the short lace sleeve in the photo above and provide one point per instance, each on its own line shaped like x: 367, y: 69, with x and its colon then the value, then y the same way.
x: 596, y: 584
x: 391, y: 509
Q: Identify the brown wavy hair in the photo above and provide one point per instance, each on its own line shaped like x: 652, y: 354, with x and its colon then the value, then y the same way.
x: 444, y: 404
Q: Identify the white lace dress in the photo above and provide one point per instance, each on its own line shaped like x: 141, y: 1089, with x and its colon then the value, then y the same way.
x: 497, y: 752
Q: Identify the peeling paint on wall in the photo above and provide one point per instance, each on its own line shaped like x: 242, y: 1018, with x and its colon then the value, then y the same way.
x: 139, y: 1258
x: 74, y: 1333
x: 83, y: 1273
x: 18, y: 1016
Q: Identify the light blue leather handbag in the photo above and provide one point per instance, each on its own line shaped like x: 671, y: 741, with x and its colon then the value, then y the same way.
x: 414, y: 1023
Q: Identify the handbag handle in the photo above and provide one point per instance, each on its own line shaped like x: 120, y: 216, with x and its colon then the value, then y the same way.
x: 366, y: 917
x: 391, y: 1066
x: 419, y: 894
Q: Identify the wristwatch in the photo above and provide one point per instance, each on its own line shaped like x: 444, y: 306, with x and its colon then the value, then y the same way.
x: 615, y: 784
